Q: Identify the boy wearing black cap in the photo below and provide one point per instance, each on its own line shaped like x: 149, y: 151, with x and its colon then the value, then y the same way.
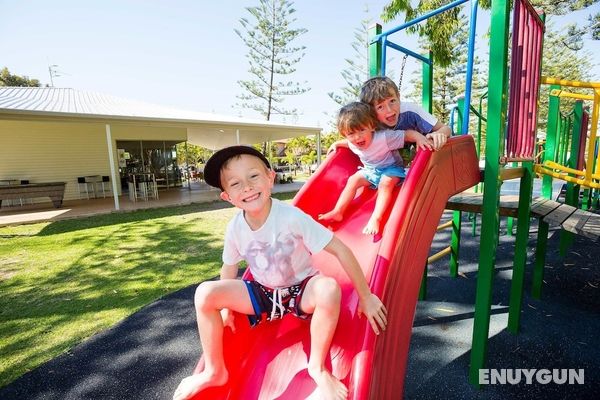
x: 276, y: 240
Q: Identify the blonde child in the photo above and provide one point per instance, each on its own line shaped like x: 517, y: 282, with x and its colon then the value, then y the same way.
x: 383, y: 95
x: 276, y: 240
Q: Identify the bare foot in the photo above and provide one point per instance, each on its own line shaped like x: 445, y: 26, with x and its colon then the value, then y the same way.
x: 329, y: 387
x: 372, y: 227
x: 332, y: 215
x: 193, y: 384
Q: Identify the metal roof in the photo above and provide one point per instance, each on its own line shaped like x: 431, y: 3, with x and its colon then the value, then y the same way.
x: 206, y: 129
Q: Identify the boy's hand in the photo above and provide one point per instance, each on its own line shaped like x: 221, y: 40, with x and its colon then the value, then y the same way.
x: 331, y: 149
x: 375, y: 312
x: 438, y: 139
x: 335, y: 145
x: 228, y: 319
x: 418, y: 139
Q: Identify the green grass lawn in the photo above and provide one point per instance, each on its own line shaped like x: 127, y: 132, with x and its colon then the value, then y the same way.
x: 61, y: 282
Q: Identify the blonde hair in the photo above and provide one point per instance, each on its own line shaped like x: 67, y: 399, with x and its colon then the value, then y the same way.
x: 377, y: 89
x: 355, y: 115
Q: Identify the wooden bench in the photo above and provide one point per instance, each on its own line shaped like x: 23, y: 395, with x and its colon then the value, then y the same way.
x: 571, y: 219
x: 54, y: 190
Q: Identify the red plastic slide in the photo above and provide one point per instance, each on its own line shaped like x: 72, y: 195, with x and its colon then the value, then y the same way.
x: 269, y: 362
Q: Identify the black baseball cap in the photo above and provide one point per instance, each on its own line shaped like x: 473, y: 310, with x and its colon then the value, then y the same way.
x: 212, y: 169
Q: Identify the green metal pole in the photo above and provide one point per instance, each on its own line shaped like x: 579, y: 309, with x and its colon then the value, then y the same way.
x: 572, y: 195
x: 595, y: 194
x: 549, y: 154
x: 479, y: 186
x: 496, y: 121
x: 375, y: 51
x: 585, y: 200
x: 568, y: 139
x: 510, y: 220
x: 459, y: 119
x: 520, y: 259
x: 551, y: 133
x: 427, y: 87
x: 455, y: 243
x: 540, y: 260
x: 456, y: 215
x: 423, y: 288
x: 560, y: 139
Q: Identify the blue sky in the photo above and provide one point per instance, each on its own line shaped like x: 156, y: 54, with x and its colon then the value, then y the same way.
x: 180, y: 53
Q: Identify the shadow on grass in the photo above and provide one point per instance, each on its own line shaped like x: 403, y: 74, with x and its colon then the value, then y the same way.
x: 119, y: 271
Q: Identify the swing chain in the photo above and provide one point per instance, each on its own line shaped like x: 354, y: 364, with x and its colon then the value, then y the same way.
x: 402, y: 70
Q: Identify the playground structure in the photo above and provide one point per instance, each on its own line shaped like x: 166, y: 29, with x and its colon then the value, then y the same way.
x: 565, y: 147
x: 516, y: 147
x: 565, y: 159
x: 519, y: 144
x: 270, y: 361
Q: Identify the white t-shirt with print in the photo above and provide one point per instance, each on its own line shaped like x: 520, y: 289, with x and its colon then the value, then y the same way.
x: 279, y: 252
x: 380, y: 153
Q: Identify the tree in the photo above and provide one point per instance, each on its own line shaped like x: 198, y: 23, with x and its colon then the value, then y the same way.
x: 437, y: 29
x: 357, y: 71
x: 560, y: 61
x: 8, y: 79
x: 271, y: 57
x: 575, y: 33
x: 449, y: 81
x: 192, y: 154
x: 440, y: 27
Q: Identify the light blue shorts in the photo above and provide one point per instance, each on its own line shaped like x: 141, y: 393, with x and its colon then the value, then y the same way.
x: 373, y: 175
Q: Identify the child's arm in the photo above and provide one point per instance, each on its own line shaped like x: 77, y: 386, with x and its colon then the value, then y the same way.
x: 228, y: 272
x: 439, y: 135
x: 370, y: 305
x: 336, y: 144
x: 420, y: 141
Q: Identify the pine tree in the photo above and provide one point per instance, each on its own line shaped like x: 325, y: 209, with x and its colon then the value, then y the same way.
x: 560, y: 61
x: 440, y: 27
x: 449, y: 81
x: 268, y: 35
x: 437, y: 29
x: 357, y: 71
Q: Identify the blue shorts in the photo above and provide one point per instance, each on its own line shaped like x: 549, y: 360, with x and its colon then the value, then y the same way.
x: 373, y: 175
x: 269, y: 304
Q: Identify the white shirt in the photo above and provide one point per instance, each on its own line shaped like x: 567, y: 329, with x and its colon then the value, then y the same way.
x: 279, y: 252
x: 380, y: 153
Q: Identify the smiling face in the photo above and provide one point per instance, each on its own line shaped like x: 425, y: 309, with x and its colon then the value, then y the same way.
x: 361, y: 137
x: 247, y: 184
x: 388, y: 110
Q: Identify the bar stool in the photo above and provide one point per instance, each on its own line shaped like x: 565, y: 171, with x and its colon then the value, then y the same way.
x: 93, y: 182
x: 105, y: 185
x: 141, y: 188
x: 151, y: 186
x: 9, y: 182
x: 131, y: 186
x: 83, y: 189
x: 26, y: 200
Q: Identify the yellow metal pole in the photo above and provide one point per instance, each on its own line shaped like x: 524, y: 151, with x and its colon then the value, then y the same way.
x: 578, y: 96
x: 589, y: 165
x: 565, y: 82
